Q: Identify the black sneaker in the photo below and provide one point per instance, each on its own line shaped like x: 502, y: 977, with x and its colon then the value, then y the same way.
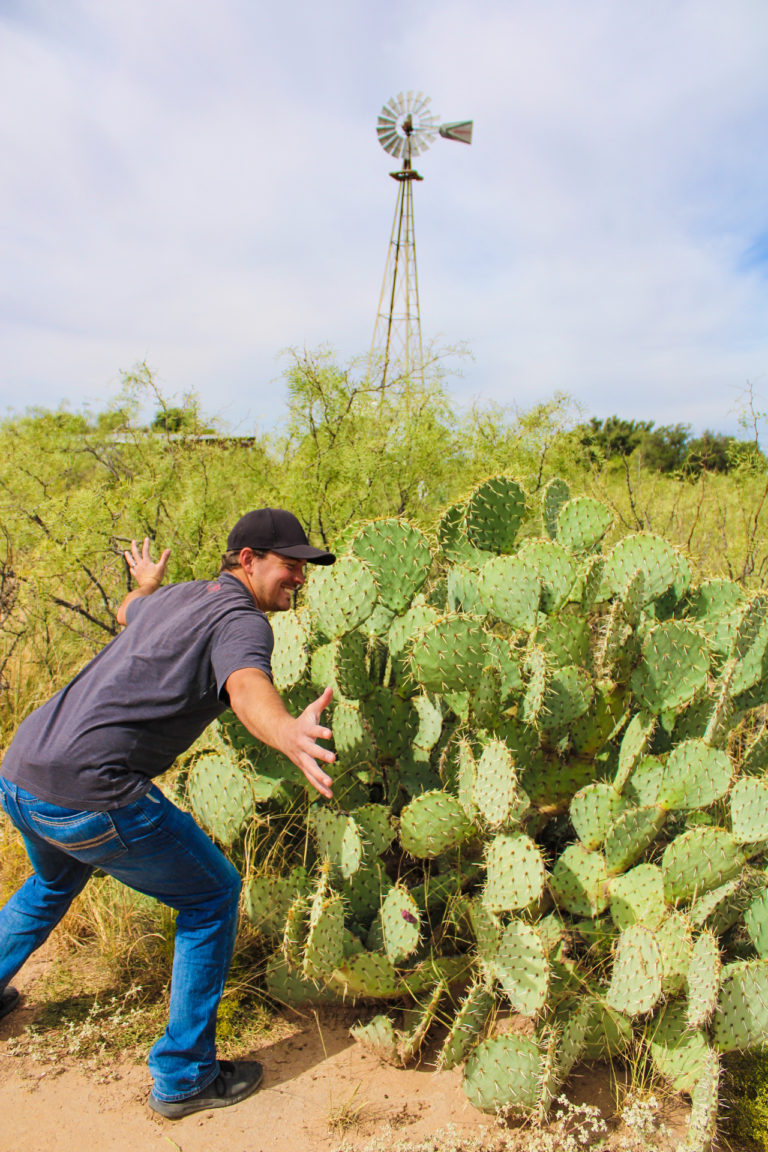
x: 234, y: 1083
x: 9, y: 998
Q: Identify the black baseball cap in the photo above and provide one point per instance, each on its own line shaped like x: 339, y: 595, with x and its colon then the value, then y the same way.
x: 275, y: 530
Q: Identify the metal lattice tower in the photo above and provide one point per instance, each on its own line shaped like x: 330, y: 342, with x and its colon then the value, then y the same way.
x: 405, y: 129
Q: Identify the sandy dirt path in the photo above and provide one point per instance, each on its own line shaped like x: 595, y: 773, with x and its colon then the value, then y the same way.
x: 311, y: 1077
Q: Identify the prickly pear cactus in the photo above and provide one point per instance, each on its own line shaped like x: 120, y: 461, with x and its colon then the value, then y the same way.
x: 549, y: 797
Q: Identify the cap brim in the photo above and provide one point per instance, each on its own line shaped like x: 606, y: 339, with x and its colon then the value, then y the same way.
x: 306, y: 552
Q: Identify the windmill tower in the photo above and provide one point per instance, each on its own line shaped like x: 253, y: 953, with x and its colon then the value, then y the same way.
x: 406, y: 127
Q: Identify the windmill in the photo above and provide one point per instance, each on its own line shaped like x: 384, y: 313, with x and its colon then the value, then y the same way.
x: 406, y: 127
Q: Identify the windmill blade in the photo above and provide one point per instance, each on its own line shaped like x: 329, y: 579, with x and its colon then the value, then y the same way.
x: 420, y: 103
x: 461, y: 130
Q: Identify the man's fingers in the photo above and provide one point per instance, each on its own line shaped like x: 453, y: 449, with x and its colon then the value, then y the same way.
x: 317, y: 778
x: 324, y: 700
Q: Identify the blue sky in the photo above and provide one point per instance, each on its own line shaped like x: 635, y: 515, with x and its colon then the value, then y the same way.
x: 198, y: 184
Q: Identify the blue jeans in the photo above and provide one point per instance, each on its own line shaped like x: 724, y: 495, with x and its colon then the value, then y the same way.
x: 154, y: 847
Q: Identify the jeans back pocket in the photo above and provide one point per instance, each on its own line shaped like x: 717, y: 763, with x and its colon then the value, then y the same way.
x: 88, y: 836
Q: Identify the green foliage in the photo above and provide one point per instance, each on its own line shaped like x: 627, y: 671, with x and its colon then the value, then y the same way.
x: 537, y: 698
x: 745, y: 1092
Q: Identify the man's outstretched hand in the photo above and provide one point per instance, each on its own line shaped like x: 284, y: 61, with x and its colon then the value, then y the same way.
x: 308, y: 732
x: 258, y: 706
x: 142, y: 567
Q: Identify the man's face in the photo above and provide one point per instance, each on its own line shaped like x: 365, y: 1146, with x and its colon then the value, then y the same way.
x: 273, y: 579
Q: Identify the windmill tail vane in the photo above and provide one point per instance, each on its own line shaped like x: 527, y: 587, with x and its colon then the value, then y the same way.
x: 406, y: 128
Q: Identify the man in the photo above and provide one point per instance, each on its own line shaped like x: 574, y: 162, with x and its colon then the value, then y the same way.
x: 77, y: 780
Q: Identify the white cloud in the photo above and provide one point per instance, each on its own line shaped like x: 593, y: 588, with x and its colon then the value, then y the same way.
x: 200, y: 184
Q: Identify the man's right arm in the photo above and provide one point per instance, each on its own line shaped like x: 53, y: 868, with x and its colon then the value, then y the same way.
x: 147, y: 573
x: 258, y: 706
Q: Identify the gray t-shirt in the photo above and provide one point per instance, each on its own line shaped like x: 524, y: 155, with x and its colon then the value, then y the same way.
x: 143, y: 699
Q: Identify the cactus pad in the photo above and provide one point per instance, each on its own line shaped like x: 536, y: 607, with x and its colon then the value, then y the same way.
x: 663, y: 568
x: 579, y: 881
x: 672, y: 669
x: 741, y: 1017
x: 338, y: 841
x: 637, y: 897
x: 581, y: 524
x: 341, y: 596
x: 694, y: 776
x: 290, y: 656
x: 221, y: 796
x: 467, y: 1026
x: 636, y: 978
x: 497, y: 795
x: 520, y: 966
x: 400, y: 924
x: 515, y: 873
x: 449, y: 654
x: 494, y: 513
x: 504, y: 1070
x: 593, y: 810
x: 556, y: 570
x: 510, y: 590
x: 432, y: 823
x: 556, y: 494
x: 698, y: 860
x: 749, y: 810
x: 675, y: 945
x: 399, y: 557
x: 678, y: 1052
x: 703, y: 980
